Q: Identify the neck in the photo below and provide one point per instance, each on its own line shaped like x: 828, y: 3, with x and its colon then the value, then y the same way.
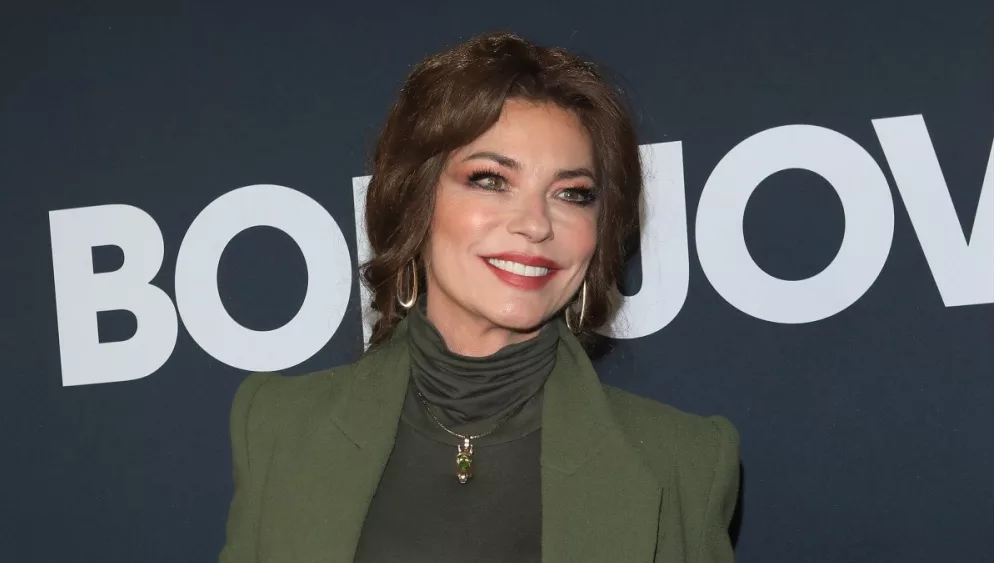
x: 467, y: 334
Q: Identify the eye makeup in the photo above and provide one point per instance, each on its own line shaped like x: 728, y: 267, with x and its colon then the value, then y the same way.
x: 476, y: 177
x: 582, y: 195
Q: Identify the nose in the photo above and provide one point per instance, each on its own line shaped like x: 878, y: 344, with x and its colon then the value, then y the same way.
x: 531, y: 220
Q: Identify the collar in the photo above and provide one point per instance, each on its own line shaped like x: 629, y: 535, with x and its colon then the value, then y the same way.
x: 576, y: 417
x: 599, y: 499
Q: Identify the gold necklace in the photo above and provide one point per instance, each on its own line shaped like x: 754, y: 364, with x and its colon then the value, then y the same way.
x: 463, y: 461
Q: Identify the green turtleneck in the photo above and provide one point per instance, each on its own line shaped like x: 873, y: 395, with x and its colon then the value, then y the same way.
x: 420, y: 512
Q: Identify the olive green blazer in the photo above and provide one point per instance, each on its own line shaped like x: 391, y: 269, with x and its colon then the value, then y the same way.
x: 624, y: 479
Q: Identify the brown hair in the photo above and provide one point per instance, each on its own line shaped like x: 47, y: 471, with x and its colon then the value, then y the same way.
x: 451, y: 98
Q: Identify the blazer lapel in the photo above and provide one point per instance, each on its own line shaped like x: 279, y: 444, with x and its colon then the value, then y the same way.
x: 599, y: 501
x: 349, y: 454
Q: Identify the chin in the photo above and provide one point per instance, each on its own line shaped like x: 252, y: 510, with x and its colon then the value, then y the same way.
x: 521, y: 321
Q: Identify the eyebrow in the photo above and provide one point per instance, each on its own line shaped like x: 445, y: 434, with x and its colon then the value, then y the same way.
x: 508, y: 162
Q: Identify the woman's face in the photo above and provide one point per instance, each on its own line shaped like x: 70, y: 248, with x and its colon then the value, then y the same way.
x: 515, y: 222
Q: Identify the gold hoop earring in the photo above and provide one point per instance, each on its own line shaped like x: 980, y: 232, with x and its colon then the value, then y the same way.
x: 413, y: 286
x: 583, y: 309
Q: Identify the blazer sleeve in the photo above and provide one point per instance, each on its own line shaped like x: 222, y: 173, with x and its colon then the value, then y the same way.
x: 715, y: 545
x: 241, y: 526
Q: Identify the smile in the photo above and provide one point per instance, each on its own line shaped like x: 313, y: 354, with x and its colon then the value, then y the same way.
x: 522, y: 271
x: 518, y: 268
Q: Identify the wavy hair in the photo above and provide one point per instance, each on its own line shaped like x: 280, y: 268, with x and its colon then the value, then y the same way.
x: 451, y: 98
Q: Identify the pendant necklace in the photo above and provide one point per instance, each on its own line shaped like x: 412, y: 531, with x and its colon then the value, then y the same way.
x: 463, y: 461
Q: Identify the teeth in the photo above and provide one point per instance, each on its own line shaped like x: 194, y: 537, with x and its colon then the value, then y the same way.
x: 518, y: 268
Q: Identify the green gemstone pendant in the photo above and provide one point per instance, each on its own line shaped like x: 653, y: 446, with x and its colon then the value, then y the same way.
x: 463, y: 462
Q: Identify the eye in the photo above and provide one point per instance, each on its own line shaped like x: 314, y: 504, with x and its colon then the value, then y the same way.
x: 487, y: 180
x: 581, y: 196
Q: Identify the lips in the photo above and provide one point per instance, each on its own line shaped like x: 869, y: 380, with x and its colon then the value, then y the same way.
x: 536, y: 261
x: 521, y: 270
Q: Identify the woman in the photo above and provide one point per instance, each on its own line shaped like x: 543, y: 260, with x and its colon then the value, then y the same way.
x: 505, y: 188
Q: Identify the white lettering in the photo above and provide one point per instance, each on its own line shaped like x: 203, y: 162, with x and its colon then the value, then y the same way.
x: 359, y: 186
x: 328, y: 263
x: 962, y: 271
x: 81, y: 294
x: 663, y: 244
x: 868, y: 224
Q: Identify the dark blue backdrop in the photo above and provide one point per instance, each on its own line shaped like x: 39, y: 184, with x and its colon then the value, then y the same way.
x: 866, y: 435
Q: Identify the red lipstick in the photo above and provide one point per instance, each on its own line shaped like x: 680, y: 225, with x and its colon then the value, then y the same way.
x: 517, y: 280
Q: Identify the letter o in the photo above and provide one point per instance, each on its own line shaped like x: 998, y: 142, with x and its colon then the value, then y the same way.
x: 329, y: 277
x: 868, y: 224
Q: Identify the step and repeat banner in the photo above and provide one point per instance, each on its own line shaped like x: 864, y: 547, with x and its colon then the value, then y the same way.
x: 180, y: 187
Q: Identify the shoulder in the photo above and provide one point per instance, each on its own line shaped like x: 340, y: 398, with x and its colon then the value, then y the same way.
x: 641, y: 417
x: 272, y: 402
x: 696, y: 459
x: 673, y: 441
x: 292, y: 390
x: 266, y: 399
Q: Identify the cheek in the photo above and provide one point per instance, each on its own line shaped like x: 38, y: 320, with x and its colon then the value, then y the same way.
x: 459, y: 221
x: 580, y: 236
